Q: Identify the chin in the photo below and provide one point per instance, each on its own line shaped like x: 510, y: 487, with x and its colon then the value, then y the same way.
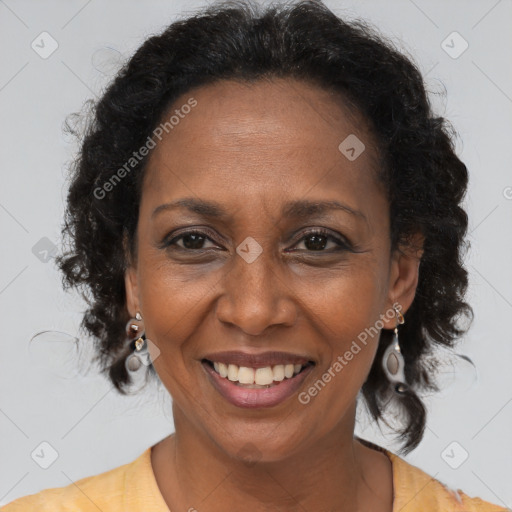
x: 260, y: 447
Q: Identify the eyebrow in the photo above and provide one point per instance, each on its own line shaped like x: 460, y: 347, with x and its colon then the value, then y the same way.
x: 294, y: 209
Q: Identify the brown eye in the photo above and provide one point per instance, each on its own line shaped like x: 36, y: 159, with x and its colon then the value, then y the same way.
x: 318, y: 240
x: 191, y: 240
x: 315, y: 242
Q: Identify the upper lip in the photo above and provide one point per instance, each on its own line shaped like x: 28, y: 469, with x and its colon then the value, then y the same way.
x: 260, y: 360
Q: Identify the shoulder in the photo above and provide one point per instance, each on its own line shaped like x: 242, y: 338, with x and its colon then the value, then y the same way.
x: 104, y: 491
x: 417, y: 491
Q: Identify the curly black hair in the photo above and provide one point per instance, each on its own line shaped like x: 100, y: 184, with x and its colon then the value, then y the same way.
x: 238, y: 40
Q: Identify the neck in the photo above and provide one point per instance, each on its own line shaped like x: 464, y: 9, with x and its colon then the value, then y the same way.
x: 195, y: 473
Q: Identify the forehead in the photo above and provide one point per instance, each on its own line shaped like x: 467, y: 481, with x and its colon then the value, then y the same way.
x: 261, y: 142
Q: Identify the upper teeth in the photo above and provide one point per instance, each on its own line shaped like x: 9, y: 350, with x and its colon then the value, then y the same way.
x: 260, y: 376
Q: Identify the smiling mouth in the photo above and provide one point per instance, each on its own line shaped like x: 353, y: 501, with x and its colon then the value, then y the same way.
x: 257, y: 378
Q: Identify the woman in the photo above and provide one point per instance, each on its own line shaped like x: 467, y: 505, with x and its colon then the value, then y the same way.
x: 267, y: 216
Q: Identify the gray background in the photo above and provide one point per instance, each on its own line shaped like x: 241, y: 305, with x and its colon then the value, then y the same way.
x: 47, y: 396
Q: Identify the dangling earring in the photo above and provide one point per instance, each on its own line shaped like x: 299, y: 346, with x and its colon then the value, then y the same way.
x: 134, y: 332
x: 393, y: 360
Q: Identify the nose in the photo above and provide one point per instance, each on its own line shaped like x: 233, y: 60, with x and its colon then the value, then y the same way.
x: 256, y: 296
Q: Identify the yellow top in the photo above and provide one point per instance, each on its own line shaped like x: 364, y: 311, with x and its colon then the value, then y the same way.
x: 132, y: 488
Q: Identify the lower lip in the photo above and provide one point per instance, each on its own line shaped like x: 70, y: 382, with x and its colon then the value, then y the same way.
x: 256, y: 397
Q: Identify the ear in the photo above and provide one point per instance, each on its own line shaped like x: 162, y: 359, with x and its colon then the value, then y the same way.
x: 131, y: 287
x: 403, y: 276
x: 131, y: 283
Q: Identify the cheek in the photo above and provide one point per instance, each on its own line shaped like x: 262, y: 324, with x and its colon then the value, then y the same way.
x: 172, y: 295
x: 348, y: 301
x: 177, y: 302
x: 172, y: 310
x: 346, y: 313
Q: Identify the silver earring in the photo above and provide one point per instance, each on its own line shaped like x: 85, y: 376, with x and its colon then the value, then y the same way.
x: 393, y: 362
x: 134, y: 331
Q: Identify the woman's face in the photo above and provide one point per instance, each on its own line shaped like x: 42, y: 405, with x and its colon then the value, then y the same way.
x: 254, y: 281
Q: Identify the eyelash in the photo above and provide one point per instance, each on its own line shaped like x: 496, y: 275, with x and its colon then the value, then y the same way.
x: 342, y: 245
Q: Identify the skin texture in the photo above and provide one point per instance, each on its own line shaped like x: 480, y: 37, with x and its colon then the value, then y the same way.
x: 252, y: 147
